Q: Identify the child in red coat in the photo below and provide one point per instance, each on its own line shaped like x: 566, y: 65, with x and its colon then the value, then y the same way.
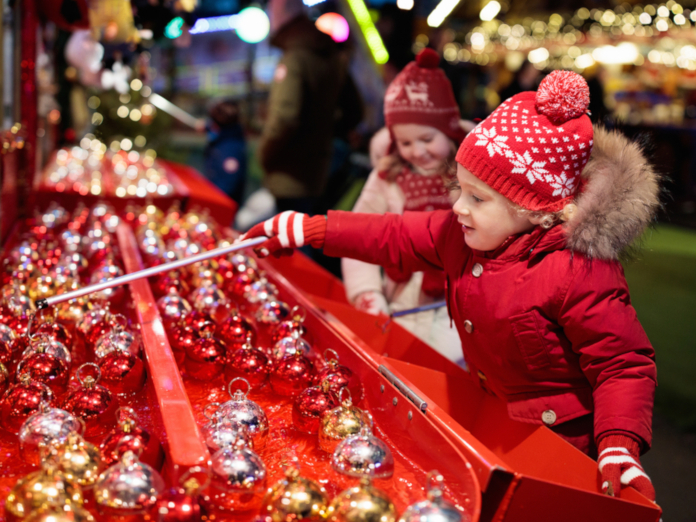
x: 530, y: 251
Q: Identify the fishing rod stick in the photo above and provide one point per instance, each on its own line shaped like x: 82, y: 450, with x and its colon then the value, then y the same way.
x: 147, y: 272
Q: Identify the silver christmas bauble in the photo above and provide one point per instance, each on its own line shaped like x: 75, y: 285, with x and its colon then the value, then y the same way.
x: 44, y: 427
x: 363, y: 455
x: 245, y: 414
x: 128, y: 487
x: 238, y: 469
x: 44, y: 343
x: 117, y: 339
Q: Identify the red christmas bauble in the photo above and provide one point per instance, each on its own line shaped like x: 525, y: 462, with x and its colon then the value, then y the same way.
x: 205, y: 360
x: 292, y: 374
x: 286, y: 329
x: 102, y: 327
x: 236, y: 330
x: 169, y: 283
x: 128, y: 436
x: 92, y: 403
x: 339, y: 376
x: 176, y: 505
x: 21, y: 401
x: 59, y: 332
x: 197, y: 319
x: 18, y: 324
x: 122, y: 372
x: 48, y: 369
x: 310, y: 405
x: 182, y: 338
x: 250, y: 363
x: 241, y: 283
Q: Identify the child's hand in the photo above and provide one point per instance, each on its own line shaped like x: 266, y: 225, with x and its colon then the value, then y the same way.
x: 287, y: 231
x: 619, y: 465
x: 373, y: 303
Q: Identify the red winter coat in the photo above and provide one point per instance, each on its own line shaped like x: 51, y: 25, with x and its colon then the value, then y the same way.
x: 546, y: 320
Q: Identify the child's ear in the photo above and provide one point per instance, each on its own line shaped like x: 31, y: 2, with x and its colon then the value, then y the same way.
x: 536, y: 218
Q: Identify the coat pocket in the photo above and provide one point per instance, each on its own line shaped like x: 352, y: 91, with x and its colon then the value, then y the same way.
x: 527, y: 328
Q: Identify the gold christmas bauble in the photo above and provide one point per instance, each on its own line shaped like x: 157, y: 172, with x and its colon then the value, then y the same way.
x: 79, y: 461
x: 363, y: 503
x: 64, y: 514
x: 295, y: 498
x: 46, y: 488
x: 339, y: 423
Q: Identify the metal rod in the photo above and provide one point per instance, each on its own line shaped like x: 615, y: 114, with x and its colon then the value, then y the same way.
x: 147, y: 272
x: 171, y: 109
x: 417, y: 309
x: 403, y: 388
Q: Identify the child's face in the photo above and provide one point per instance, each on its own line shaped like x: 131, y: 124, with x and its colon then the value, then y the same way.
x: 486, y: 216
x: 424, y: 147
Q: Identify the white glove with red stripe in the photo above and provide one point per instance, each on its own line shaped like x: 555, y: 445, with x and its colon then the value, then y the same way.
x: 620, y: 466
x: 371, y: 302
x: 287, y: 231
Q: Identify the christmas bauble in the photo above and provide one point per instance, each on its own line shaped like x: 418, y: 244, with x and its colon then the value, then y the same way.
x: 295, y: 498
x: 244, y: 413
x: 173, y: 307
x: 260, y: 291
x: 198, y: 320
x: 240, y: 284
x: 72, y: 513
x: 436, y: 508
x: 292, y: 344
x: 271, y: 313
x: 310, y: 405
x: 21, y: 401
x: 363, y: 455
x: 341, y: 422
x: 339, y: 376
x: 129, y: 487
x: 238, y: 479
x: 211, y: 300
x: 43, y: 489
x: 7, y: 338
x: 46, y: 368
x: 219, y: 433
x: 57, y: 331
x: 72, y: 313
x: 44, y: 427
x: 78, y: 460
x: 116, y: 294
x: 122, y: 372
x: 170, y: 282
x: 96, y: 314
x: 182, y: 337
x: 117, y: 339
x: 129, y: 435
x: 363, y: 503
x: 92, y: 403
x: 236, y: 330
x: 205, y: 359
x: 177, y: 505
x: 49, y: 345
x: 293, y: 324
x: 292, y: 374
x: 248, y: 362
x: 103, y: 326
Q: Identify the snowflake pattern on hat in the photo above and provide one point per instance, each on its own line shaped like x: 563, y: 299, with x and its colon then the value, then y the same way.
x: 535, y: 148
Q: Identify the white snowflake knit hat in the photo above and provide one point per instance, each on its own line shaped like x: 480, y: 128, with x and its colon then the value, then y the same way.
x: 534, y: 146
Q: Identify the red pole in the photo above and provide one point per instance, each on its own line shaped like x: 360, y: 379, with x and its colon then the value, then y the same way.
x: 28, y: 102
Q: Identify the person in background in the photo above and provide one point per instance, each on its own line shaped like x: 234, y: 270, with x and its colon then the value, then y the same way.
x: 225, y: 154
x: 296, y: 142
x: 546, y: 205
x: 423, y: 133
x: 526, y: 78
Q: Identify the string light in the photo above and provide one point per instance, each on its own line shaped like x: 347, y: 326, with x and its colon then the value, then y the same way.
x: 441, y: 11
x: 367, y: 26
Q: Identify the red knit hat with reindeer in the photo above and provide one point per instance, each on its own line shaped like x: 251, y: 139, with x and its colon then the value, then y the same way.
x: 534, y: 146
x: 423, y: 95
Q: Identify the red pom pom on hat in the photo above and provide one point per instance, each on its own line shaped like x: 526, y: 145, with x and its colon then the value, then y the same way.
x: 562, y: 96
x: 428, y: 59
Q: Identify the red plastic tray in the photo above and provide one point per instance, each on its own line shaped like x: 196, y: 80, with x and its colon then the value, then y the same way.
x: 526, y: 472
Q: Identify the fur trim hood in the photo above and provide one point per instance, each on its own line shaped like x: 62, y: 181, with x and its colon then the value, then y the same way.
x: 619, y: 200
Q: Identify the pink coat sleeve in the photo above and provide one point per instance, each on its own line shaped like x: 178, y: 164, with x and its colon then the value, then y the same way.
x: 411, y: 241
x: 615, y: 353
